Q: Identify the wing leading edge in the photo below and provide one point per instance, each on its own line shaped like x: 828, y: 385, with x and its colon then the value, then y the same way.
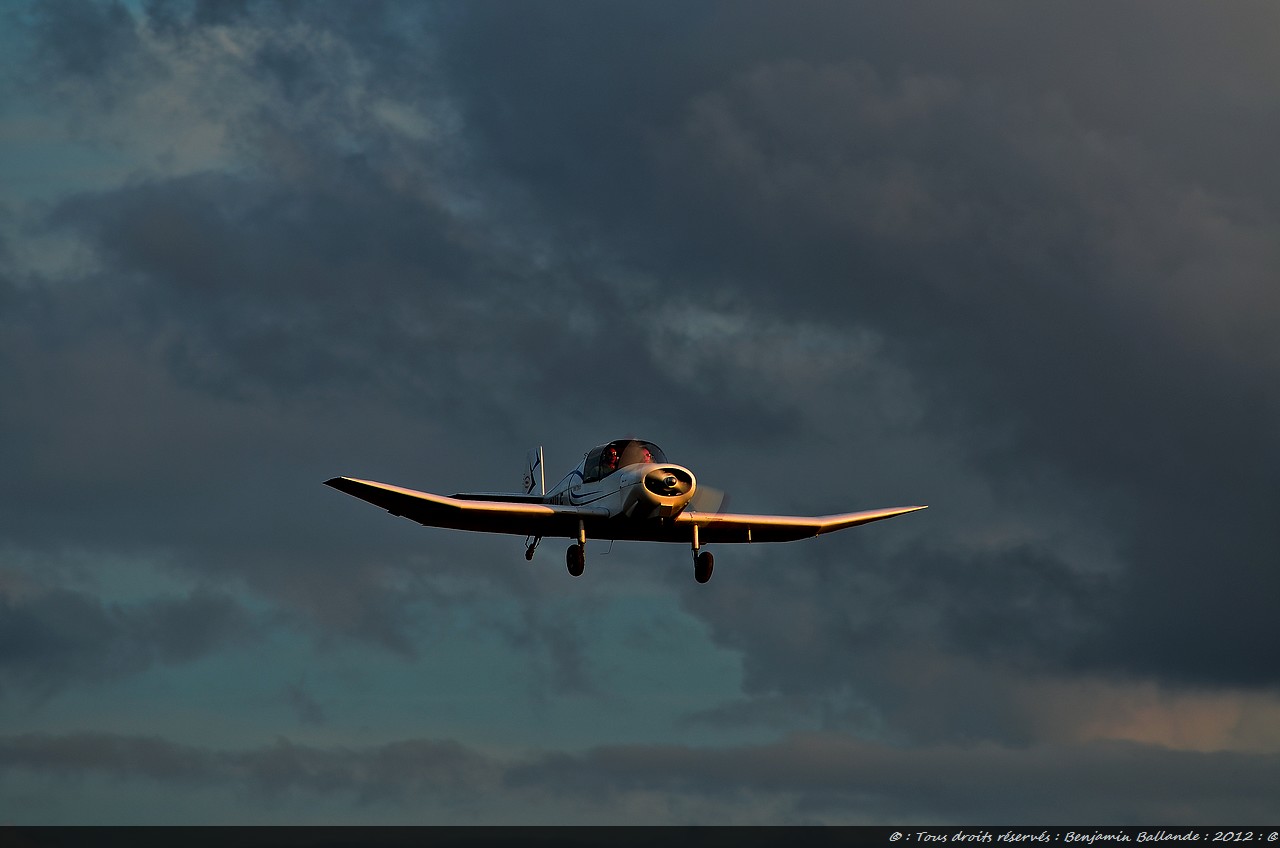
x: 519, y: 519
x: 730, y: 527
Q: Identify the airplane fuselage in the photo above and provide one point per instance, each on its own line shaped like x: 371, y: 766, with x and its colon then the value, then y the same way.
x: 648, y: 491
x: 627, y: 479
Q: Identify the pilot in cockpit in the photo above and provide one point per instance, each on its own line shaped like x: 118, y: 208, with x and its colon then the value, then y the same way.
x: 609, y: 462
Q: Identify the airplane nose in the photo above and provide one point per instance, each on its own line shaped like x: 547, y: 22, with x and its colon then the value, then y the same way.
x: 668, y: 482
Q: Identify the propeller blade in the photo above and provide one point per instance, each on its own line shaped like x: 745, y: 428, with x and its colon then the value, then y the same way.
x: 707, y: 499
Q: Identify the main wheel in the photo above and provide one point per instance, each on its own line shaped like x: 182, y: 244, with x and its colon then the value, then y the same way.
x: 702, y: 566
x: 576, y: 560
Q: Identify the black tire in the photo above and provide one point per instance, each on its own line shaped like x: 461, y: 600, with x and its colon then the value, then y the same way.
x: 575, y: 558
x: 703, y: 566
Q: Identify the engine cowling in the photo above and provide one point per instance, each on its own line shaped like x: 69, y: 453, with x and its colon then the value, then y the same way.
x: 659, y: 491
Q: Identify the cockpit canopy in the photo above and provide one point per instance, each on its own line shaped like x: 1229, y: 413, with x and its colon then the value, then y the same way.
x: 606, y: 459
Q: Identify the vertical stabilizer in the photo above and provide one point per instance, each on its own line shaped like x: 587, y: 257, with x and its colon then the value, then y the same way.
x: 534, y: 478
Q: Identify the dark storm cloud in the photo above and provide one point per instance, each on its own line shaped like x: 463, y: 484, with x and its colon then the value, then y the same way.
x: 282, y: 287
x: 803, y: 778
x: 563, y: 640
x: 82, y: 39
x: 1016, y: 610
x: 226, y: 319
x: 303, y: 703
x: 833, y: 775
x: 399, y: 771
x: 1077, y: 284
x: 1057, y: 259
x: 341, y: 256
x: 338, y: 266
x: 55, y: 638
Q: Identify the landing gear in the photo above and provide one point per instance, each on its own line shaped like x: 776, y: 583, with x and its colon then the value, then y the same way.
x: 702, y: 565
x: 530, y: 547
x: 702, y: 562
x: 576, y: 559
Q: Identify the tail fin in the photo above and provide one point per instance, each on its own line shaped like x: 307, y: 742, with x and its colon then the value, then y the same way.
x: 533, y: 473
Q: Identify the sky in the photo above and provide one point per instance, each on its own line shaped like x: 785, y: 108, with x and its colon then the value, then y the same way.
x: 1019, y: 262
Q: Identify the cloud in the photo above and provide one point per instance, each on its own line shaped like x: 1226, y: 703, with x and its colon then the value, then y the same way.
x: 802, y: 778
x: 398, y: 771
x: 847, y: 779
x: 1014, y: 244
x: 80, y: 41
x: 54, y: 638
x: 304, y: 703
x: 855, y: 257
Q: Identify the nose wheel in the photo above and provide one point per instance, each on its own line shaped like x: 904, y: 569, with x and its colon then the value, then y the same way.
x: 576, y: 559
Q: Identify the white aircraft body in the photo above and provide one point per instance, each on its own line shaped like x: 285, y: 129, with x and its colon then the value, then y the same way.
x: 623, y: 490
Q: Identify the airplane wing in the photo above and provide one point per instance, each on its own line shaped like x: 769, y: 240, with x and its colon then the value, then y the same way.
x: 519, y: 519
x: 730, y: 527
x: 553, y: 520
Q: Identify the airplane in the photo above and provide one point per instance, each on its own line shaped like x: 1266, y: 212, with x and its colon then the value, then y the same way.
x: 623, y: 490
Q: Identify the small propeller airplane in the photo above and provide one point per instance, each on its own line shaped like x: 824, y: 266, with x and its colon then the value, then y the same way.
x: 623, y: 490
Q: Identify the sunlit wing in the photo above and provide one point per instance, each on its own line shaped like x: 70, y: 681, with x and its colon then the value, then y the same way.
x: 731, y: 527
x: 486, y: 516
x: 538, y: 519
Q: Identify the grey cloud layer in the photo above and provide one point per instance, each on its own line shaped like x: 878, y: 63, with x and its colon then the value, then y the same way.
x: 803, y: 778
x: 402, y: 769
x: 1055, y: 272
x: 885, y: 253
x: 993, y: 234
x: 58, y: 638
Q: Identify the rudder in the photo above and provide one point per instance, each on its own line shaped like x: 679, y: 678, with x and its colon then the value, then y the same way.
x: 533, y: 473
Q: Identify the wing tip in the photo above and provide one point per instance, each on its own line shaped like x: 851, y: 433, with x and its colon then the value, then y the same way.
x: 346, y: 485
x: 853, y: 519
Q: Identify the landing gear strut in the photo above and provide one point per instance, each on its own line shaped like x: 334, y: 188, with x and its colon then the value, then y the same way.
x: 702, y: 562
x: 576, y: 557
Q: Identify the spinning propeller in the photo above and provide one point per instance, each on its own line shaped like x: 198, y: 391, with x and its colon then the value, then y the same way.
x: 709, y: 500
